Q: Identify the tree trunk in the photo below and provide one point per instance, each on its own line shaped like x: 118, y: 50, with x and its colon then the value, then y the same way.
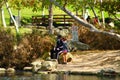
x: 77, y: 12
x: 43, y: 11
x: 103, y: 19
x: 50, y: 18
x: 10, y: 13
x: 83, y: 12
x: 0, y: 17
x: 3, y: 18
x: 82, y: 22
x: 102, y: 15
x: 19, y: 18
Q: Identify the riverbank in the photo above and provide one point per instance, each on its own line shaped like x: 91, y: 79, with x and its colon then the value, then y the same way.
x: 93, y: 62
x: 90, y: 63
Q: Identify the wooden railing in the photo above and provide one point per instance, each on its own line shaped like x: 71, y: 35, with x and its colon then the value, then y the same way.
x: 58, y: 20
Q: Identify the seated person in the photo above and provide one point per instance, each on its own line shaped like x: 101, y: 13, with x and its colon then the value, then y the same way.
x: 56, y: 50
x: 60, y: 49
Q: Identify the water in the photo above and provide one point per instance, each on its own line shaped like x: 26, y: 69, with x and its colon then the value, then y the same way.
x: 31, y: 76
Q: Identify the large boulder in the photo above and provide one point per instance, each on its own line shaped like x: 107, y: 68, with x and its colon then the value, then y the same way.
x: 36, y: 65
x: 48, y: 65
x: 76, y: 45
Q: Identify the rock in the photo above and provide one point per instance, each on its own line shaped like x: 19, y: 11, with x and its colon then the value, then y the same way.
x: 44, y: 65
x: 2, y: 70
x: 76, y: 45
x: 27, y: 68
x: 49, y: 65
x: 107, y: 72
x: 10, y: 70
x: 61, y: 31
x: 36, y: 65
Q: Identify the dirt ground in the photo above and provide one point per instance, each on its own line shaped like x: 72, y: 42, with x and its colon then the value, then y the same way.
x: 93, y: 61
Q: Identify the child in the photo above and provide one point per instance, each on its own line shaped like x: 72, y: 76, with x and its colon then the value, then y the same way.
x: 64, y: 50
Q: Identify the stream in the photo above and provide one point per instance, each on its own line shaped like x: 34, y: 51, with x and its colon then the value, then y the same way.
x: 31, y: 76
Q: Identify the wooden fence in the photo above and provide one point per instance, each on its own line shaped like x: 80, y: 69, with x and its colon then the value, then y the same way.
x: 58, y: 20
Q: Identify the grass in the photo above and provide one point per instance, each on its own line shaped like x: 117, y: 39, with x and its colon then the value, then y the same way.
x: 27, y: 13
x: 21, y: 30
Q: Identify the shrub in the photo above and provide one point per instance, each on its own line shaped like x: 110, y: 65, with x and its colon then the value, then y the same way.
x: 6, y: 47
x: 98, y: 40
x: 30, y: 47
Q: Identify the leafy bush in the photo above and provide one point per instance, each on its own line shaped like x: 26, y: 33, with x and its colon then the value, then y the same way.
x: 117, y: 24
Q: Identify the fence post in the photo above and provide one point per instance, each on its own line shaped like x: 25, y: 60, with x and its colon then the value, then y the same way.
x: 64, y: 20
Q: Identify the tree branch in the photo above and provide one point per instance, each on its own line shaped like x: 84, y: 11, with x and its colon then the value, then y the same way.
x: 85, y: 24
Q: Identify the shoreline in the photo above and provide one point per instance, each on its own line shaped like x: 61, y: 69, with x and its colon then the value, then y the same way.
x: 69, y: 72
x: 92, y: 63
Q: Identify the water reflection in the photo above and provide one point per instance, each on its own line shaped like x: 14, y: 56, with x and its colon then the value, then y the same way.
x: 108, y: 78
x: 45, y: 77
x: 31, y: 76
x: 62, y: 77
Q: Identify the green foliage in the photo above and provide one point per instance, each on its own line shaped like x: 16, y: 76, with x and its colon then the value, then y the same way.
x: 110, y: 6
x: 36, y: 5
x: 117, y: 24
x: 77, y: 4
x: 1, y: 3
x: 17, y: 4
x: 26, y: 20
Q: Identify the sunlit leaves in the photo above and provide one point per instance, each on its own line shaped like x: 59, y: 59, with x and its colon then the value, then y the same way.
x: 18, y: 4
x: 1, y: 3
x: 111, y: 6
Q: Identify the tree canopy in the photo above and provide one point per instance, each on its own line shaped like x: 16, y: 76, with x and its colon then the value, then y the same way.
x: 1, y: 3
